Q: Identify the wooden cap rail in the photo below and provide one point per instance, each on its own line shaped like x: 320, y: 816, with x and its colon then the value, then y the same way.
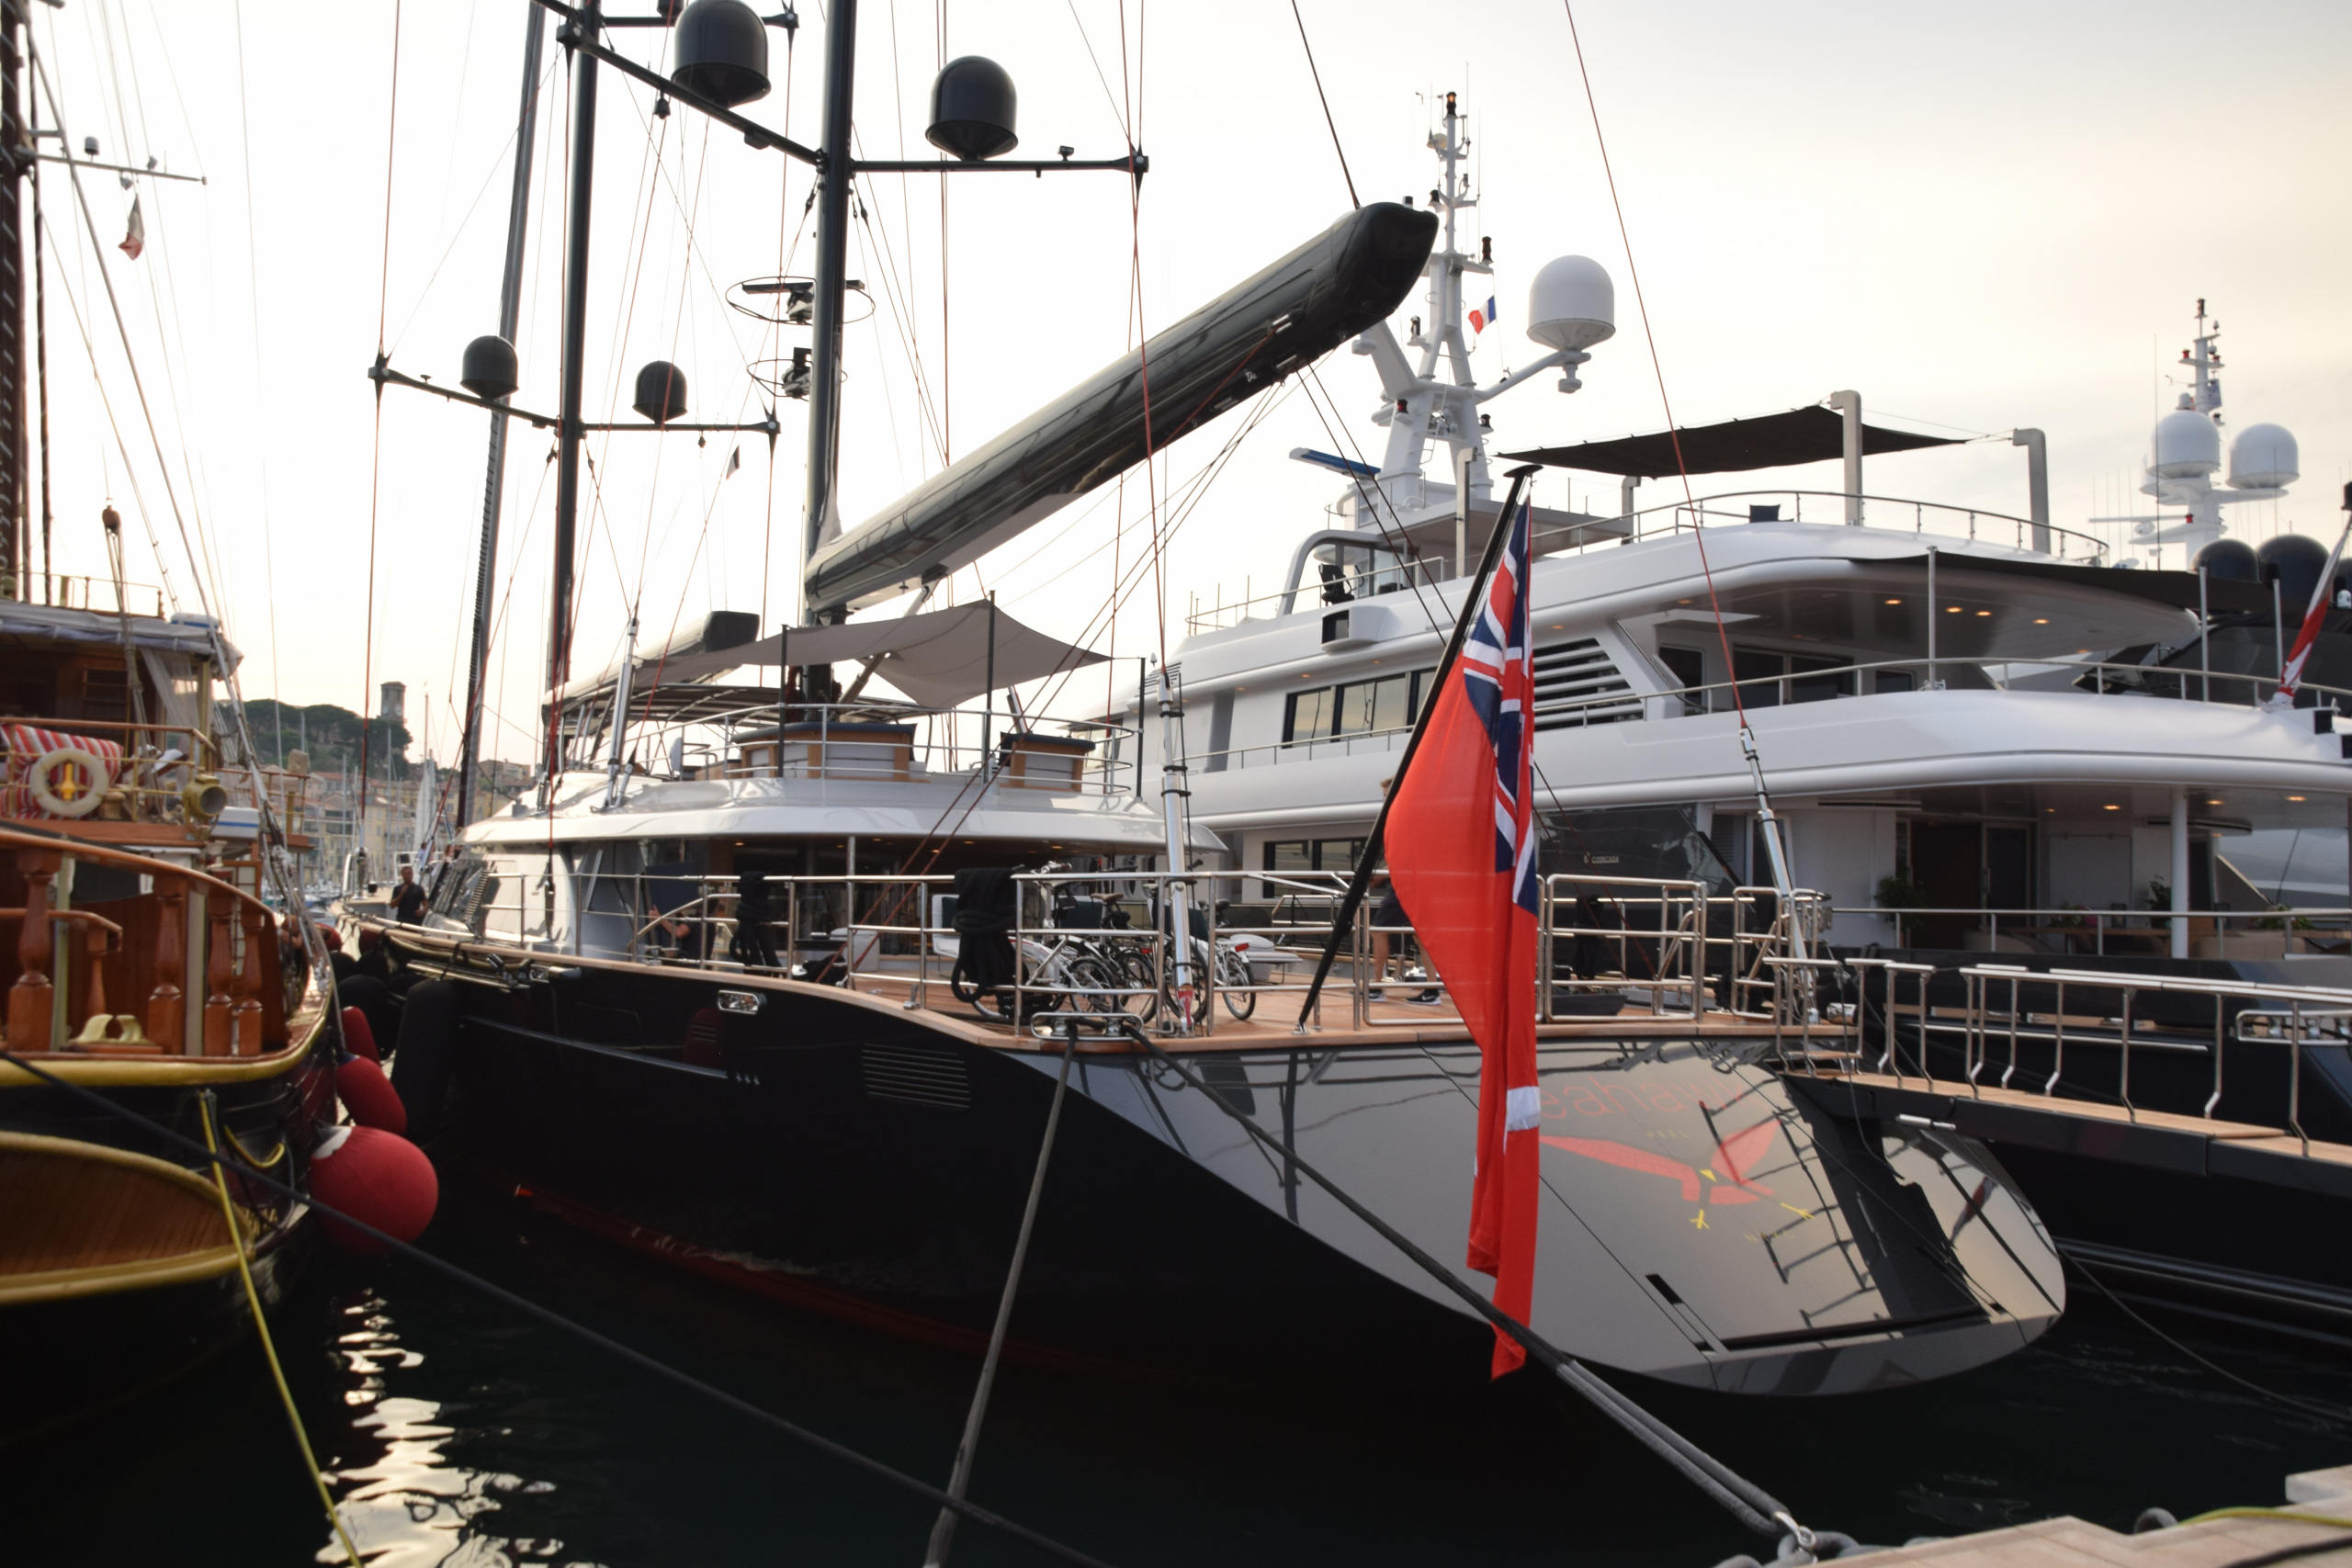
x: 126, y: 963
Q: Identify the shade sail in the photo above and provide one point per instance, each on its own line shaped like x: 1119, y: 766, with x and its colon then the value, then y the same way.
x: 1777, y: 440
x: 940, y: 658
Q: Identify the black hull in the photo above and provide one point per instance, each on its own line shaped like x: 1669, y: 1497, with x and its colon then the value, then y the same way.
x: 2233, y: 1228
x: 871, y: 1162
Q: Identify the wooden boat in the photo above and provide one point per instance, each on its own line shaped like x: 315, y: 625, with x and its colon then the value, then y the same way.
x: 148, y: 968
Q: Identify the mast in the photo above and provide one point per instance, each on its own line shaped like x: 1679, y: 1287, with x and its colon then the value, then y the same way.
x: 13, y: 553
x: 832, y: 261
x: 510, y: 304
x: 588, y: 19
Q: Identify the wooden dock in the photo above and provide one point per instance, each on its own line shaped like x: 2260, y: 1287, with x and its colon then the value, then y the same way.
x: 2324, y: 1498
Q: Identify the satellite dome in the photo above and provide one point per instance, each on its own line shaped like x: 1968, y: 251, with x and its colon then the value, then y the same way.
x: 972, y: 109
x: 660, y: 391
x: 489, y: 368
x: 2263, y: 458
x: 1571, y: 304
x: 2187, y: 446
x: 721, y: 50
x: 2229, y: 560
x: 2294, y: 561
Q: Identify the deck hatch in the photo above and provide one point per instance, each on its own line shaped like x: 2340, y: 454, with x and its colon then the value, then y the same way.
x: 917, y: 1074
x: 1570, y: 676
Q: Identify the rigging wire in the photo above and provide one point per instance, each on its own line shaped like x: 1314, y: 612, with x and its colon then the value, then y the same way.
x: 253, y: 299
x: 1354, y: 200
x: 375, y: 460
x: 775, y: 331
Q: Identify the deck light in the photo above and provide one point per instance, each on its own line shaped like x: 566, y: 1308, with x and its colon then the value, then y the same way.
x: 2111, y: 809
x: 1894, y: 601
x: 1951, y: 609
x: 2295, y: 798
x: 2042, y: 620
x: 2213, y: 803
x: 1984, y: 612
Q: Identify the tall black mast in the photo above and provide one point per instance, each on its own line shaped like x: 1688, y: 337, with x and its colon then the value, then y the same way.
x: 510, y: 303
x: 832, y: 260
x: 582, y: 29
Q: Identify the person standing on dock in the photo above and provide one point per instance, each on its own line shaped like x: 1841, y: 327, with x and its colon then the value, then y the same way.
x: 408, y: 898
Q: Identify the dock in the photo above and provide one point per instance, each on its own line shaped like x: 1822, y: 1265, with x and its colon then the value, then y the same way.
x: 2322, y: 1534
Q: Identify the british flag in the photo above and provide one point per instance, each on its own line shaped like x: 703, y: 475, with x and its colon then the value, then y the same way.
x: 1461, y: 850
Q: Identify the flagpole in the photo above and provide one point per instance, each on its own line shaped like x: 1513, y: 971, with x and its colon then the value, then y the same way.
x: 1353, y: 900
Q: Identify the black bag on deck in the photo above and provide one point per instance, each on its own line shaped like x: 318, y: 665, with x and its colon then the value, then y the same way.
x: 987, y: 903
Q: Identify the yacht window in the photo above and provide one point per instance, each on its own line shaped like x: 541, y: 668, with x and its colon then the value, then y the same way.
x: 1287, y: 857
x: 1895, y: 680
x: 1687, y: 665
x: 1818, y: 679
x: 1750, y: 664
x: 1309, y: 717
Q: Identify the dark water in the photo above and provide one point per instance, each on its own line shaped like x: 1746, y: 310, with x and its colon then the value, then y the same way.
x: 457, y: 1434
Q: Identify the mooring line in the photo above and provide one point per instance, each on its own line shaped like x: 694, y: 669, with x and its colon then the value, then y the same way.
x: 524, y: 1304
x: 212, y: 1108
x: 943, y: 1532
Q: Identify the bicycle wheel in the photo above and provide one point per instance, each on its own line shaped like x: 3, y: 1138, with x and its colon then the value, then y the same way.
x: 1232, y: 978
x: 1200, y: 991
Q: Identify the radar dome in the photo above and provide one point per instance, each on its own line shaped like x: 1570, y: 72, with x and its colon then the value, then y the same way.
x: 2295, y: 561
x: 2187, y: 445
x: 1571, y: 304
x: 2263, y: 458
x: 2229, y: 560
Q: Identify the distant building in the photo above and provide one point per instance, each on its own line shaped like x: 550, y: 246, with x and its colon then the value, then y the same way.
x: 395, y: 703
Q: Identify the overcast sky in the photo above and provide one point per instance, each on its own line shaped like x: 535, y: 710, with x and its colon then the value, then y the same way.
x: 1979, y: 217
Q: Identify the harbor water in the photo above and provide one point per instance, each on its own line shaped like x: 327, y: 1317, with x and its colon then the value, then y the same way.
x: 457, y: 1433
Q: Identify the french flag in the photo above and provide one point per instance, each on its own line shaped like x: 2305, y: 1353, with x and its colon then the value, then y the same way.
x: 1462, y: 856
x: 1481, y: 320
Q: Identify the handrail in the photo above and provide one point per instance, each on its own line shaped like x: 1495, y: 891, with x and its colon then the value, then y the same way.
x: 1599, y: 533
x: 235, y: 952
x: 858, y: 928
x: 1547, y: 714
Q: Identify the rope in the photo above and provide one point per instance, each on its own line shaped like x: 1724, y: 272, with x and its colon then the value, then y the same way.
x: 213, y: 1158
x: 942, y: 1533
x: 2309, y: 1407
x: 261, y: 1329
x: 375, y: 460
x: 1658, y: 366
x: 1746, y: 1502
x: 1354, y: 200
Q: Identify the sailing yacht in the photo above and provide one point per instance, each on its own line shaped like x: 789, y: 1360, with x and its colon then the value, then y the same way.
x: 774, y: 980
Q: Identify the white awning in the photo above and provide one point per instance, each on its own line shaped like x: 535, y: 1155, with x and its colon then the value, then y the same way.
x: 940, y: 658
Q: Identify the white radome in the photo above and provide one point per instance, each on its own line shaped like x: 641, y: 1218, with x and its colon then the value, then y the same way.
x: 1571, y: 304
x: 2187, y: 445
x: 2263, y: 458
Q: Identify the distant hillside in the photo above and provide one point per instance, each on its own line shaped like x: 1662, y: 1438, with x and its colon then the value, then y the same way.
x: 332, y: 733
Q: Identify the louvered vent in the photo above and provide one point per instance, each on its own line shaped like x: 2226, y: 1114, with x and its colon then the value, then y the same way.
x: 1569, y: 677
x: 917, y: 1074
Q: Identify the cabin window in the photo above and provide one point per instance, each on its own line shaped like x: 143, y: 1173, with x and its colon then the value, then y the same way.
x: 1289, y: 857
x: 106, y: 694
x: 1687, y: 665
x: 1894, y: 680
x: 1360, y: 707
x: 1819, y: 680
x: 1763, y: 669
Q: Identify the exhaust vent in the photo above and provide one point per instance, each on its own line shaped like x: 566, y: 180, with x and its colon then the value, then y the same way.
x: 917, y: 1074
x: 1570, y: 677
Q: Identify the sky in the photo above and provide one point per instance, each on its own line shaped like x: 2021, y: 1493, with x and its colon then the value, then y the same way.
x: 1979, y: 217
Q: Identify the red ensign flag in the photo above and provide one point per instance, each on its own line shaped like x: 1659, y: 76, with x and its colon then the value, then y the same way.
x: 1462, y: 856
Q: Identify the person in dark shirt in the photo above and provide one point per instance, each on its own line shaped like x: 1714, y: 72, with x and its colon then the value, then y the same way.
x: 408, y: 899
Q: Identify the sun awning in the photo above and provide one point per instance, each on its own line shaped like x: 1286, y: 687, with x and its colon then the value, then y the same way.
x: 940, y: 658
x: 1775, y: 440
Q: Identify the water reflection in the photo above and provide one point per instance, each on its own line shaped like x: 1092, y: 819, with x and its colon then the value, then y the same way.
x: 406, y: 1502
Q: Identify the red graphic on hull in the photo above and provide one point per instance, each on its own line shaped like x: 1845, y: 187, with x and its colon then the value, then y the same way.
x: 1735, y: 1156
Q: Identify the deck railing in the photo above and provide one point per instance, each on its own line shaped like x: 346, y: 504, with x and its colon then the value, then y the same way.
x: 121, y: 956
x: 2246, y: 935
x: 1097, y: 941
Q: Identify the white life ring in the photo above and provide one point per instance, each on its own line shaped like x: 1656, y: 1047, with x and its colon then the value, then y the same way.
x: 83, y: 799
